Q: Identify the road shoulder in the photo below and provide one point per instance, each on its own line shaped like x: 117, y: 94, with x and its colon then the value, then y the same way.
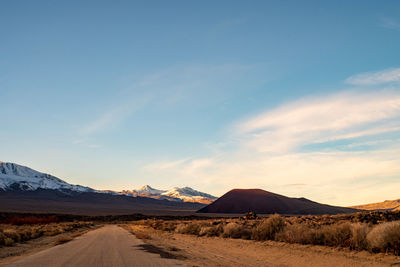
x: 216, y: 251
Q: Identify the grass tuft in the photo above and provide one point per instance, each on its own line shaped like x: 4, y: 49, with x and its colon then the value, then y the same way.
x: 63, y: 239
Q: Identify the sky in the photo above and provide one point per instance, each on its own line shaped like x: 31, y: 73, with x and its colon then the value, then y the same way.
x: 300, y: 98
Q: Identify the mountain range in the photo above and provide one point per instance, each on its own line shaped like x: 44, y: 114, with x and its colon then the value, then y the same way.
x: 23, y: 189
x: 185, y: 194
x: 17, y: 177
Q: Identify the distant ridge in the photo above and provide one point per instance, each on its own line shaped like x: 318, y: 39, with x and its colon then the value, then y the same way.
x: 389, y: 205
x: 17, y: 177
x: 183, y: 194
x: 263, y: 202
x: 89, y: 203
x: 23, y: 189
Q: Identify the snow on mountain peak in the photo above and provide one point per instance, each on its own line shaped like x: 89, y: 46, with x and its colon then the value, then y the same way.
x: 14, y: 176
x: 147, y: 189
x: 188, y: 194
x: 18, y: 177
x: 185, y: 194
x: 17, y: 170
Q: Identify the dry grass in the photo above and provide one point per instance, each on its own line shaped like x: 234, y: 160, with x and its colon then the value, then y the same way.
x: 211, y: 230
x: 188, y: 228
x: 139, y: 234
x: 296, y: 233
x: 359, y: 236
x: 334, y: 235
x: 385, y: 238
x: 11, y: 234
x: 269, y: 228
x: 235, y: 230
x: 78, y: 233
x: 63, y: 239
x: 142, y: 235
x: 327, y: 230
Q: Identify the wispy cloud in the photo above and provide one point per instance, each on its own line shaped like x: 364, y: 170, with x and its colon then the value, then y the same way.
x: 171, y: 87
x: 390, y: 23
x: 115, y: 114
x: 375, y: 78
x: 162, y: 165
x: 104, y: 121
x: 266, y: 150
x: 321, y: 119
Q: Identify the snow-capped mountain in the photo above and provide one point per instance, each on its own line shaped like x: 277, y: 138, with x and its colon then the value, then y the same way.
x: 188, y: 194
x: 17, y: 177
x: 185, y: 194
x: 147, y: 189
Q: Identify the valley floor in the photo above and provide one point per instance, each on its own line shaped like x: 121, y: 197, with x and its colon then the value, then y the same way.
x: 113, y: 246
x: 216, y: 251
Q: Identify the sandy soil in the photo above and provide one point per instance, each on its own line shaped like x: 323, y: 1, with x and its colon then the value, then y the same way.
x: 216, y: 251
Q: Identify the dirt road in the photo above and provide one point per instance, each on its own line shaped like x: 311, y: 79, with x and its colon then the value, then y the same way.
x: 107, y: 246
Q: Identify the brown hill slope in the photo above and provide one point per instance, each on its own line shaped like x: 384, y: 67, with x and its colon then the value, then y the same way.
x: 264, y: 202
x: 392, y: 205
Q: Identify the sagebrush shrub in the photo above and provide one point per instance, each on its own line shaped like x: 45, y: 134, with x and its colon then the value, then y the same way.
x: 332, y: 231
x: 211, y: 230
x: 296, y: 233
x: 12, y: 234
x: 235, y: 230
x: 168, y: 226
x: 385, y: 237
x: 359, y: 236
x: 269, y: 228
x: 21, y: 233
x: 341, y: 235
x: 188, y: 228
x: 336, y: 235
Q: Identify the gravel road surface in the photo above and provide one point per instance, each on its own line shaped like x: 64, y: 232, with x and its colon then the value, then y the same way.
x: 107, y: 246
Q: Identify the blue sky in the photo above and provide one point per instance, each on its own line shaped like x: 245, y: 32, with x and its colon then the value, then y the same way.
x: 298, y: 98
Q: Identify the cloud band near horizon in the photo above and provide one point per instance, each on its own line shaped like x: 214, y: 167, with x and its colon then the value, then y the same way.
x: 339, y: 147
